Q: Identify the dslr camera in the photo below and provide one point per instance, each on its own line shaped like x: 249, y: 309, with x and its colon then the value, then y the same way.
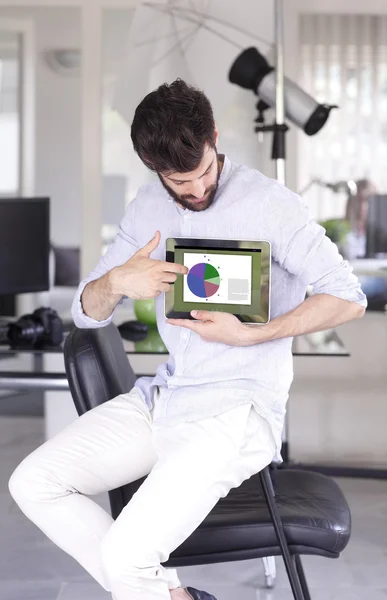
x: 41, y: 328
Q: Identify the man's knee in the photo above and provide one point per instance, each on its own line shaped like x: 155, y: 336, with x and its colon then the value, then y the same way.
x: 32, y: 482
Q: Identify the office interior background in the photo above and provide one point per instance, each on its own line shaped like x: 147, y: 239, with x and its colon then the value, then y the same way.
x: 71, y: 74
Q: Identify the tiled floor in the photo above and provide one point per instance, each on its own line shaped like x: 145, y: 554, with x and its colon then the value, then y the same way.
x: 32, y: 568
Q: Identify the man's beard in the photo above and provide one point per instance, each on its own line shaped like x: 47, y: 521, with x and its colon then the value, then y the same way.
x: 187, y: 200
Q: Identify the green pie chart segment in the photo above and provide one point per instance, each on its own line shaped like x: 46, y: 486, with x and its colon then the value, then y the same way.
x: 214, y: 280
x: 210, y: 272
x: 203, y: 280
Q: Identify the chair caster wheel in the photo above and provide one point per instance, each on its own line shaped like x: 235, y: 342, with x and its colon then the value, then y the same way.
x: 270, y: 571
x: 269, y: 582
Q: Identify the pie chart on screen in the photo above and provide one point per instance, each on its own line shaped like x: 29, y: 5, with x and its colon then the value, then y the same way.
x: 203, y: 280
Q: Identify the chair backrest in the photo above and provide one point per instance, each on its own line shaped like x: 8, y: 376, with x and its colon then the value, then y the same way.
x: 97, y: 366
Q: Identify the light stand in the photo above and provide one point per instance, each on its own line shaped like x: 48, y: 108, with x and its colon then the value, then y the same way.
x: 279, y: 127
x: 279, y: 145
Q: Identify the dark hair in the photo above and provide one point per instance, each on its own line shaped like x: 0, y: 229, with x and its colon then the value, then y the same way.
x: 171, y: 128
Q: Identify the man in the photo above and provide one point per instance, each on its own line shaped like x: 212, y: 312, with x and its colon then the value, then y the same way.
x: 213, y: 414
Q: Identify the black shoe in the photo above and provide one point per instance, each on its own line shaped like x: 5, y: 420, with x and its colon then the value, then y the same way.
x: 198, y: 595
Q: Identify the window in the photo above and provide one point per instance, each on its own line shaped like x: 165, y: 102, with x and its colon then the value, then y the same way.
x: 9, y: 113
x: 344, y: 62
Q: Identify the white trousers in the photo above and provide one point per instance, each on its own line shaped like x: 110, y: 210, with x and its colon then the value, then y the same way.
x: 189, y: 466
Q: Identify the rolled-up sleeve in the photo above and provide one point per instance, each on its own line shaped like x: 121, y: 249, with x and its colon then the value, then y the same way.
x: 118, y: 252
x: 300, y: 246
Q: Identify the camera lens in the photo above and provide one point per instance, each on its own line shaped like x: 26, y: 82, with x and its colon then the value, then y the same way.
x: 25, y: 331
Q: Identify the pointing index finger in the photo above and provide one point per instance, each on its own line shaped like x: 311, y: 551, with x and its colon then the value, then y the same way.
x: 175, y: 268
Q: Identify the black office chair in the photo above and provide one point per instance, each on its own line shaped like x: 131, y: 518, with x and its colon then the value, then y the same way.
x: 278, y: 511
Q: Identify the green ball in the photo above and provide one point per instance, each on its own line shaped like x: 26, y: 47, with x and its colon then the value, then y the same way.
x: 145, y: 311
x: 152, y: 343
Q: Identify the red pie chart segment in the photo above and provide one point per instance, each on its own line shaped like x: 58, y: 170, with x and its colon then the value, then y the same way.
x: 211, y: 288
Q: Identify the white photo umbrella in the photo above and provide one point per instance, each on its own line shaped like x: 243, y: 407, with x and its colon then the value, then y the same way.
x: 190, y: 39
x: 197, y: 41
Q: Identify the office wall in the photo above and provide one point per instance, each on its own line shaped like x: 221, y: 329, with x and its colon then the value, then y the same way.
x: 337, y: 409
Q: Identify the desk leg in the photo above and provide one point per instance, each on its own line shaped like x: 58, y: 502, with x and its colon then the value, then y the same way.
x: 38, y: 362
x: 37, y: 367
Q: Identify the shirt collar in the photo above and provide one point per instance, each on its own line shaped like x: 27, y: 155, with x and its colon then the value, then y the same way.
x: 225, y: 171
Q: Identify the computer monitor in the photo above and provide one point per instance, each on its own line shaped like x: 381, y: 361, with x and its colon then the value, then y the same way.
x: 376, y: 234
x: 24, y: 245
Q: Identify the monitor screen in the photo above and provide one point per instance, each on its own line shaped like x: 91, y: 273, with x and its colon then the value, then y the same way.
x: 376, y: 234
x: 24, y: 245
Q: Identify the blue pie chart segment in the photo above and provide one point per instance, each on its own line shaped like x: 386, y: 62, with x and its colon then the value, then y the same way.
x: 203, y: 280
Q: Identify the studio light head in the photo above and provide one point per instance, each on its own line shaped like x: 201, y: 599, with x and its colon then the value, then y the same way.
x: 252, y: 71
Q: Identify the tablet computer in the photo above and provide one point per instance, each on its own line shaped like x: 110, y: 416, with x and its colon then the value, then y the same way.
x: 224, y: 275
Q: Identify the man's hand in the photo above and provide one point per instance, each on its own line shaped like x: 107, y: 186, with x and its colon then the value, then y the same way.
x: 317, y: 313
x: 216, y: 327
x: 143, y: 277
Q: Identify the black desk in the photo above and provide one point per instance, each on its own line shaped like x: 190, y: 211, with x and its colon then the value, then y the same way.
x: 326, y: 343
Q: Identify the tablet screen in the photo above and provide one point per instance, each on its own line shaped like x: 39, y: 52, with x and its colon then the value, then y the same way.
x: 219, y: 279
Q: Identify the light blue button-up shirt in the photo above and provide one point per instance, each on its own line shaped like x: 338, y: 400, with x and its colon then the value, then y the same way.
x: 200, y: 378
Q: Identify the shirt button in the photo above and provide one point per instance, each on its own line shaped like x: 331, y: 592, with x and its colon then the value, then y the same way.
x: 186, y: 216
x: 185, y: 335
